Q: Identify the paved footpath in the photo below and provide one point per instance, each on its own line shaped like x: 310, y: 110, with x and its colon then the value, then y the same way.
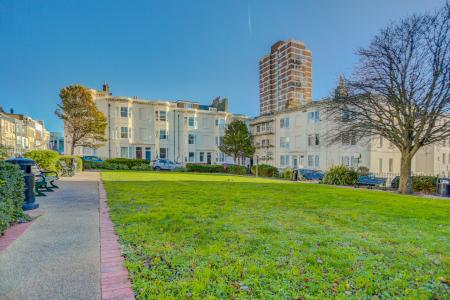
x: 58, y: 256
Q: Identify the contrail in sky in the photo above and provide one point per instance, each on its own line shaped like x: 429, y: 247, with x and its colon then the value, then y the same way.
x: 249, y: 18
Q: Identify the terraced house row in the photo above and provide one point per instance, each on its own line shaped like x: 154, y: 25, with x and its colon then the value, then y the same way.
x: 20, y: 133
x: 182, y: 131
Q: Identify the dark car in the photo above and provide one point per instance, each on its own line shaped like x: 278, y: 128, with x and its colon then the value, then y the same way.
x: 92, y: 158
x: 311, y: 174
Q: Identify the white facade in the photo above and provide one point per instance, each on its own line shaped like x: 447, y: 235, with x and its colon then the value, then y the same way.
x: 181, y: 131
x: 297, y: 138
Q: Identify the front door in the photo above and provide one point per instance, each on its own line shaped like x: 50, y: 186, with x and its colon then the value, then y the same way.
x: 138, y: 152
x: 148, y: 153
x: 294, y: 162
x: 208, y: 158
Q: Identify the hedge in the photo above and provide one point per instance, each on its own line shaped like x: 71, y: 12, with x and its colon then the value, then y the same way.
x: 340, y: 175
x: 46, y: 159
x: 265, y: 170
x: 130, y: 163
x: 11, y: 195
x: 205, y: 168
x: 68, y: 159
x: 92, y: 165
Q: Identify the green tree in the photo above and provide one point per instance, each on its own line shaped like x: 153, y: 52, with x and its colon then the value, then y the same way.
x: 84, y: 124
x: 237, y: 141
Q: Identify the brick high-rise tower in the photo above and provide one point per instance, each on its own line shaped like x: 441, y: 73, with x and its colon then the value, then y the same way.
x: 285, y: 77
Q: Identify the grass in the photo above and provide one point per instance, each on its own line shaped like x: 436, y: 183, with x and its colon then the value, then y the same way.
x: 198, y: 236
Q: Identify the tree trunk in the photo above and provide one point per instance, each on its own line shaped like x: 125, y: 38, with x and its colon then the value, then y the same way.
x: 72, y: 148
x: 405, y: 185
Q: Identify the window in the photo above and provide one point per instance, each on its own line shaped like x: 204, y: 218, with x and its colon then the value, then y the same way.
x: 191, y: 156
x: 316, y: 161
x: 124, y: 152
x: 161, y: 115
x: 345, y: 161
x: 313, y: 139
x: 202, y: 156
x: 219, y: 140
x: 123, y: 132
x: 192, y: 122
x: 284, y: 123
x: 220, y: 123
x: 347, y: 116
x: 284, y: 160
x: 258, y: 128
x: 221, y: 157
x: 380, y: 165
x: 163, y: 134
x: 313, y: 117
x: 163, y: 153
x: 191, y: 139
x: 124, y: 112
x: 443, y: 158
x: 284, y: 142
x: 391, y: 165
x: 310, y: 161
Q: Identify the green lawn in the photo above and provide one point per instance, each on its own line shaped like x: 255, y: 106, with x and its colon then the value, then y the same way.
x: 195, y: 236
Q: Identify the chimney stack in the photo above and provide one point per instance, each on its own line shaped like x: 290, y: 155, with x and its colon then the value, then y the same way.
x: 106, y: 88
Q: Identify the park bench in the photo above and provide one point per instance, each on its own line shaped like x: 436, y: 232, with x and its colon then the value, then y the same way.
x: 44, y: 181
x: 371, y: 181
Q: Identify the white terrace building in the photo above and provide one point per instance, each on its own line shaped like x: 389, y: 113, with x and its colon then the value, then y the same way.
x: 296, y: 138
x: 181, y: 131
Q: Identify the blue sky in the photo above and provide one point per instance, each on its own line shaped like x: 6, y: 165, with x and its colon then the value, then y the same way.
x: 193, y: 50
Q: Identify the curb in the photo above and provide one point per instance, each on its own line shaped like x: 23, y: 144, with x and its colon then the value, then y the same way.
x: 115, y: 281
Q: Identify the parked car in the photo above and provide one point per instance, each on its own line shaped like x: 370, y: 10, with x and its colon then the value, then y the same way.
x: 92, y: 158
x: 164, y: 164
x: 311, y: 174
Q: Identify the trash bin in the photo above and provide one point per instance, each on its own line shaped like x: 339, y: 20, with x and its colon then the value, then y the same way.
x: 25, y: 165
x: 443, y: 187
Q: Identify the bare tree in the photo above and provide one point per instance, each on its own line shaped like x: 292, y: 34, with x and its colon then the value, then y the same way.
x: 400, y: 89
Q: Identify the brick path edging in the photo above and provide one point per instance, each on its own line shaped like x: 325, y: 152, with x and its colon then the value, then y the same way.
x: 14, y: 232
x: 11, y: 234
x: 115, y: 281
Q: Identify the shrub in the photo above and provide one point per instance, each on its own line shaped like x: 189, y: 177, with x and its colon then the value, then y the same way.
x: 11, y: 195
x: 426, y: 184
x: 69, y: 159
x: 205, y: 168
x: 265, y: 170
x: 128, y: 162
x: 287, y: 173
x: 46, y: 159
x: 234, y: 169
x: 340, y: 175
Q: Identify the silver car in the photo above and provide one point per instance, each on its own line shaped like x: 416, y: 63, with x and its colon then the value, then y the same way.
x: 164, y: 164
